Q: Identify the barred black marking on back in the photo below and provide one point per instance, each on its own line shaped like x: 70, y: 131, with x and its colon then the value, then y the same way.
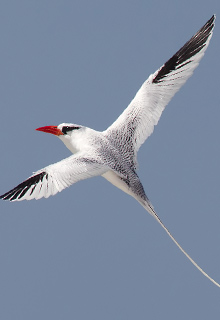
x: 191, y: 48
x: 19, y: 191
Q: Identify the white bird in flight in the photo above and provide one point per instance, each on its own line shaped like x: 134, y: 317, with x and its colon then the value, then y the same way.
x: 112, y: 153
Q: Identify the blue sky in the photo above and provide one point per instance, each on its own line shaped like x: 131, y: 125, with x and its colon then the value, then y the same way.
x: 92, y: 252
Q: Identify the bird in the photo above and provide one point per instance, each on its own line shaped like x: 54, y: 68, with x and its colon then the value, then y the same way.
x: 112, y: 153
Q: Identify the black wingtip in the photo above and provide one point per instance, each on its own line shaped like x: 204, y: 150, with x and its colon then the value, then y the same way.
x: 21, y: 189
x: 190, y: 48
x: 212, y: 19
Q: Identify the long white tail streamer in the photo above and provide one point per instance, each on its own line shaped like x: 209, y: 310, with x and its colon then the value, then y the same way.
x: 149, y: 208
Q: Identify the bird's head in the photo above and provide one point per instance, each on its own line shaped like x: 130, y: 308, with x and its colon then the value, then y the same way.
x: 66, y: 132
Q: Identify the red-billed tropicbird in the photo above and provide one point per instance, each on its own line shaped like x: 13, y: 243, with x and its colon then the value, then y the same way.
x: 112, y: 153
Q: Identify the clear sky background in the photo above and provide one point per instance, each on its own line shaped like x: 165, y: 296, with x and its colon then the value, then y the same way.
x: 92, y: 252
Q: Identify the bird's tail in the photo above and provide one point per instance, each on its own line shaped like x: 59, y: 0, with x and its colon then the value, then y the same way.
x: 151, y: 210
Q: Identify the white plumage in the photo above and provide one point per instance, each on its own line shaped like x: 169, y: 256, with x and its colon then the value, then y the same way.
x: 113, y: 152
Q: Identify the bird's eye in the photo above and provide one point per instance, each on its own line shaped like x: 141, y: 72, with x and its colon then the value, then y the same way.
x: 65, y: 129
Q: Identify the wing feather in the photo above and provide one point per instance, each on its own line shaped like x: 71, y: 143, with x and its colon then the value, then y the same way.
x: 137, y: 121
x: 56, y: 177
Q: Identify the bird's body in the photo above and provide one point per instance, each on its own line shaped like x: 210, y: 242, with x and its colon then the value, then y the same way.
x: 113, y: 152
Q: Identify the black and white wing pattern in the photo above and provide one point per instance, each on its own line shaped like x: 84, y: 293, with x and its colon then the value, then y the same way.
x: 137, y: 121
x: 54, y: 178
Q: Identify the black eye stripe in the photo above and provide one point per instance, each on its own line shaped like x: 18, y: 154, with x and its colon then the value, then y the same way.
x: 67, y: 128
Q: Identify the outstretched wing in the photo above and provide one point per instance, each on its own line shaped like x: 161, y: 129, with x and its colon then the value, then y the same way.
x: 54, y: 178
x: 137, y: 121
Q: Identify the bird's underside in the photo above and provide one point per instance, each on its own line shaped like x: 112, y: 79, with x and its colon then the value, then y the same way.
x: 113, y: 152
